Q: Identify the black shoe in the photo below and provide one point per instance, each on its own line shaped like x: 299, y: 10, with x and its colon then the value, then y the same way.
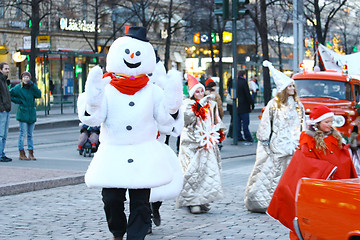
x: 241, y: 140
x: 156, y: 217
x: 5, y: 159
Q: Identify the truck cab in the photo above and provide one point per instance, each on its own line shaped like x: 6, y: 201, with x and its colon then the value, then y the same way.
x: 336, y: 90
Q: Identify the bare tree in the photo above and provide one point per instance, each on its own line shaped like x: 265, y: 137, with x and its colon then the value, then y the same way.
x: 320, y: 14
x: 348, y: 26
x: 36, y: 10
x: 279, y: 25
x: 260, y: 21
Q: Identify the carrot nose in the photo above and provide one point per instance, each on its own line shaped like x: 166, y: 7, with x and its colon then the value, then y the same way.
x: 132, y: 55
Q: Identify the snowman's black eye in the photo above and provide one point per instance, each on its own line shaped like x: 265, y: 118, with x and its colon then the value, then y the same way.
x: 150, y: 74
x: 137, y: 53
x: 127, y: 51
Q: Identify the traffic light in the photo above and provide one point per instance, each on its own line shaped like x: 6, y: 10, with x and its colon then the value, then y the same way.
x: 241, y: 8
x: 222, y: 8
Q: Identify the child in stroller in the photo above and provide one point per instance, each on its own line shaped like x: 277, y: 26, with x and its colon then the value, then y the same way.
x: 88, y: 140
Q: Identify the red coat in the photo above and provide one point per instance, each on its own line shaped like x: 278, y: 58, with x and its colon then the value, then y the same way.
x: 312, y: 163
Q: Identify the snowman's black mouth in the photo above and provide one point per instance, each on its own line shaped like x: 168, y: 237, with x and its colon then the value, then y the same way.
x: 132, y: 65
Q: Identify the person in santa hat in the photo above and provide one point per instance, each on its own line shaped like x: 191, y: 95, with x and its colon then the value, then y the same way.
x: 199, y: 153
x: 210, y: 87
x: 321, y: 155
x: 278, y: 136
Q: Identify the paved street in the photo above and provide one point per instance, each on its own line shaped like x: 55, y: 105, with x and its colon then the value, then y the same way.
x: 76, y: 212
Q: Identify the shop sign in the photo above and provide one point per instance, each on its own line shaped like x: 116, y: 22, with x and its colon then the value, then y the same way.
x: 196, y: 38
x: 77, y: 25
x: 17, y: 24
x: 17, y: 57
x: 41, y: 42
x: 27, y: 42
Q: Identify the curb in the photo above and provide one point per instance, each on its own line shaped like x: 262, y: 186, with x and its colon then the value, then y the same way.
x: 47, y: 125
x: 12, y: 189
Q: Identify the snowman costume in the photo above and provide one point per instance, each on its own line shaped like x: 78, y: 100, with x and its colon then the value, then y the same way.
x: 130, y: 110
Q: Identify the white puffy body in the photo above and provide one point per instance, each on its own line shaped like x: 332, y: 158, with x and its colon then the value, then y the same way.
x: 129, y: 155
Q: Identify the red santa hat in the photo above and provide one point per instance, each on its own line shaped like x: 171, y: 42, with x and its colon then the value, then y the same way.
x: 193, y: 84
x: 320, y: 113
x: 208, y: 81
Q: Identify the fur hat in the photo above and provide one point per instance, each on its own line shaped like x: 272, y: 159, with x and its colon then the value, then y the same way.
x: 281, y: 80
x: 26, y: 74
x: 193, y: 84
x: 320, y: 113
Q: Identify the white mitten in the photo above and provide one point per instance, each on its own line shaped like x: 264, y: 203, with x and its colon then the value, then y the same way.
x: 94, y: 87
x: 206, y: 99
x: 174, y: 90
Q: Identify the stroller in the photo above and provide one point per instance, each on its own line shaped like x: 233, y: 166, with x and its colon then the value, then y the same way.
x: 88, y: 142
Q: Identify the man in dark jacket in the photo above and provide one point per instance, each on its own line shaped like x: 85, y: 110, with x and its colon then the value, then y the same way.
x: 245, y: 103
x: 5, y: 107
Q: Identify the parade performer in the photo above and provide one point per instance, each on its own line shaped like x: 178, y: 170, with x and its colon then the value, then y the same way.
x: 169, y: 191
x: 321, y: 154
x: 199, y: 153
x: 278, y: 136
x: 130, y: 110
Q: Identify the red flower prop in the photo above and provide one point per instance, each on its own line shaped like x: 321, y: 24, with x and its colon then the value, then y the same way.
x: 199, y: 110
x: 222, y: 135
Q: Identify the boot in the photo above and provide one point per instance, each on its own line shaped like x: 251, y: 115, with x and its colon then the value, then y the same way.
x: 22, y: 155
x: 31, y: 155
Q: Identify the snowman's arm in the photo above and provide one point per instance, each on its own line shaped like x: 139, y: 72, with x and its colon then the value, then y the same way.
x: 178, y: 123
x: 173, y: 91
x: 161, y: 112
x: 98, y: 114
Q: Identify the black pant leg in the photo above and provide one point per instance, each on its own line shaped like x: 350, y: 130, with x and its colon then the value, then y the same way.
x: 156, y: 205
x: 140, y: 214
x: 113, y: 199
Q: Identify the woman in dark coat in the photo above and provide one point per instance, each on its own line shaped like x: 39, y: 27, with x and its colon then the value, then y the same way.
x: 24, y: 94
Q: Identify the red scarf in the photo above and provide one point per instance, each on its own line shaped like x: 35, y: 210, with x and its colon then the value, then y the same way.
x: 127, y: 84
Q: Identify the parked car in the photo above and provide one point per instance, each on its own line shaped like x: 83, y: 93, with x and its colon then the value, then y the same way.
x: 328, y: 209
x: 336, y: 90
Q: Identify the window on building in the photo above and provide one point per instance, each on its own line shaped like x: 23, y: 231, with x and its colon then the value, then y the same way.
x: 2, y: 8
x: 84, y: 9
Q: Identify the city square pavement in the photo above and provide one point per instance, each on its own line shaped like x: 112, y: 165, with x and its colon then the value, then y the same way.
x: 76, y: 212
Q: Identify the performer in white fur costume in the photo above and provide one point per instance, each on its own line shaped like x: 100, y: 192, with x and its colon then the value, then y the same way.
x: 130, y: 109
x: 171, y: 190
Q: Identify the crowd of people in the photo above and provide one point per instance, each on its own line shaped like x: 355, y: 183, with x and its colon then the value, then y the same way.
x: 137, y: 118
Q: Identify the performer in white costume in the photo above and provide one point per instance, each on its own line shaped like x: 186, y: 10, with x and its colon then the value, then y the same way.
x: 199, y: 152
x: 278, y: 134
x: 130, y: 110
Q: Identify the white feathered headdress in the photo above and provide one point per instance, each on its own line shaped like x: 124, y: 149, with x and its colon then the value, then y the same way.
x: 281, y: 80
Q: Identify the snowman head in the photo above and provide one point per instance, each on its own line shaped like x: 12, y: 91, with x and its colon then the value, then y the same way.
x: 132, y: 54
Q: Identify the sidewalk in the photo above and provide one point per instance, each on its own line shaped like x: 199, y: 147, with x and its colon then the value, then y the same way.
x: 15, y: 180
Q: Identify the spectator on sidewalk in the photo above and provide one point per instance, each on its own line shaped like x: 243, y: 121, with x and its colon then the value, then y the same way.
x: 321, y: 155
x: 5, y: 107
x: 245, y: 103
x: 278, y: 136
x: 199, y: 153
x: 254, y: 88
x: 210, y: 88
x: 24, y: 94
x: 229, y: 106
